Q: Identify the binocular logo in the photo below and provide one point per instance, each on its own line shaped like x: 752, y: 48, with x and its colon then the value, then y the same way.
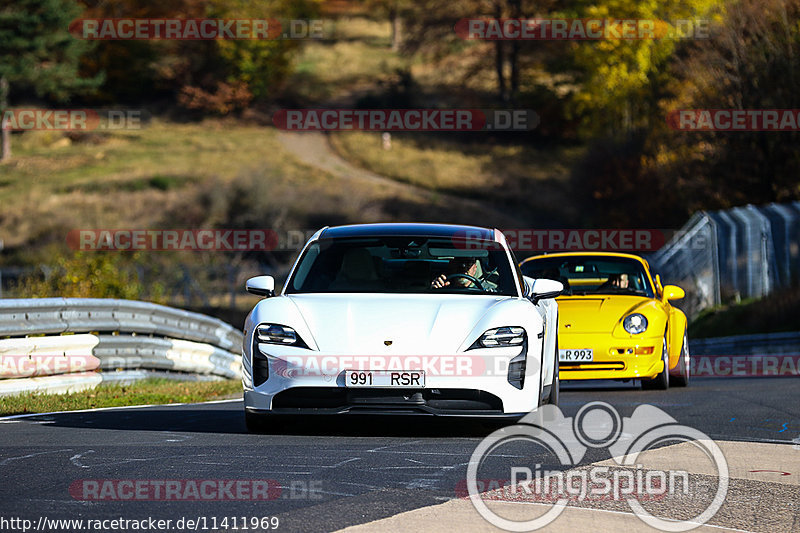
x: 596, y: 425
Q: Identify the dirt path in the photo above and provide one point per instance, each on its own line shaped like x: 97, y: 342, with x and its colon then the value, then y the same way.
x: 313, y: 149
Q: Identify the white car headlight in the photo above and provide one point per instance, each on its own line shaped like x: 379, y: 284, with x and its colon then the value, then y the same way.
x: 278, y: 334
x: 635, y: 323
x: 505, y: 336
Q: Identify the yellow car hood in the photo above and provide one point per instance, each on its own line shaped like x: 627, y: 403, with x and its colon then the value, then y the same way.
x: 600, y: 313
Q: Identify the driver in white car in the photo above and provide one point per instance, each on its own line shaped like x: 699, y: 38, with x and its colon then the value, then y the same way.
x: 460, y: 267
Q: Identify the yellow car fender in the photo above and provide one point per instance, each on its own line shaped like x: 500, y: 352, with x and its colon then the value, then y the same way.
x: 677, y: 328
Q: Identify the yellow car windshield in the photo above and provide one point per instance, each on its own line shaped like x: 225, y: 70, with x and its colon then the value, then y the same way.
x: 584, y: 275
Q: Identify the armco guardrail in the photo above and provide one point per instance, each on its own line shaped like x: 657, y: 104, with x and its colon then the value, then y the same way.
x: 25, y: 317
x: 742, y: 252
x: 761, y: 344
x: 763, y: 355
x: 118, y: 352
x: 51, y: 384
x: 114, y: 335
x: 42, y: 356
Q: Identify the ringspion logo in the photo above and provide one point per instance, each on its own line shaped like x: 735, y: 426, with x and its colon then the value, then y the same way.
x: 566, y: 439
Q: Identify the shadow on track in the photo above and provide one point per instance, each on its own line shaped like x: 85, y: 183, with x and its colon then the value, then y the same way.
x: 730, y: 409
x: 229, y: 419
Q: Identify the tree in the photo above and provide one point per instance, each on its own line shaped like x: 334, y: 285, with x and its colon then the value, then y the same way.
x: 395, y: 11
x: 430, y: 31
x: 240, y: 70
x: 751, y: 62
x: 621, y: 80
x: 93, y: 275
x: 37, y: 53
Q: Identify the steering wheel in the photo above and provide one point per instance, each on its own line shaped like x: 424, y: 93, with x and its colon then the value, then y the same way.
x: 475, y: 281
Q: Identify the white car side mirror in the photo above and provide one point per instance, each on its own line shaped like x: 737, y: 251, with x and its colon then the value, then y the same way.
x: 543, y: 289
x: 261, y: 285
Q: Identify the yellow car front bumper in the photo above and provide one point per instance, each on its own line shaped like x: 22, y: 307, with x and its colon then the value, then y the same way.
x: 613, y: 358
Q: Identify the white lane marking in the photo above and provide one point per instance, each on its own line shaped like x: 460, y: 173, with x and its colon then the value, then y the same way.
x: 63, y: 502
x: 422, y: 483
x: 720, y: 437
x: 9, y: 459
x: 292, y: 472
x: 409, y: 467
x: 318, y: 491
x: 361, y: 485
x: 455, y: 454
x: 118, y: 460
x: 340, y: 463
x: 381, y: 448
x: 6, y: 419
x: 74, y: 459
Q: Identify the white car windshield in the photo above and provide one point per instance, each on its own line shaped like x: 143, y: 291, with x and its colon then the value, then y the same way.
x: 403, y: 265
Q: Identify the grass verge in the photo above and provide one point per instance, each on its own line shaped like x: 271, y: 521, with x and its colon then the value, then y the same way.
x: 146, y: 392
x: 776, y: 313
x: 517, y: 175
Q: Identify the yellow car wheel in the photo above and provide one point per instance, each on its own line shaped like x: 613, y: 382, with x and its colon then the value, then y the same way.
x: 555, y: 390
x: 661, y: 381
x: 684, y: 368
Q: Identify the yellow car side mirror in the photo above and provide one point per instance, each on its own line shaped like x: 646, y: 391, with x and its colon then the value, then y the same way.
x: 673, y: 292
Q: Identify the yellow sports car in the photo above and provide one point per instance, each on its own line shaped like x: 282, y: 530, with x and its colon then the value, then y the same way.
x: 615, y: 321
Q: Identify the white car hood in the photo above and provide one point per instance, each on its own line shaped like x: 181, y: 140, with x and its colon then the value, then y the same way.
x: 363, y: 324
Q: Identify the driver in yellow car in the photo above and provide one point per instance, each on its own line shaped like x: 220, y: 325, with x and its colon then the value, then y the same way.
x: 619, y: 280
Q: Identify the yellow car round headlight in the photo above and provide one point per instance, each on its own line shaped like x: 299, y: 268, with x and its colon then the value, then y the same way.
x: 635, y: 323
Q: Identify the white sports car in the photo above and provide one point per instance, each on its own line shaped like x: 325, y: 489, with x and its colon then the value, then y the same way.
x: 402, y: 319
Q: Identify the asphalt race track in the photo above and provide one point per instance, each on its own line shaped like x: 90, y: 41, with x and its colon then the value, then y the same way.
x: 386, y: 474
